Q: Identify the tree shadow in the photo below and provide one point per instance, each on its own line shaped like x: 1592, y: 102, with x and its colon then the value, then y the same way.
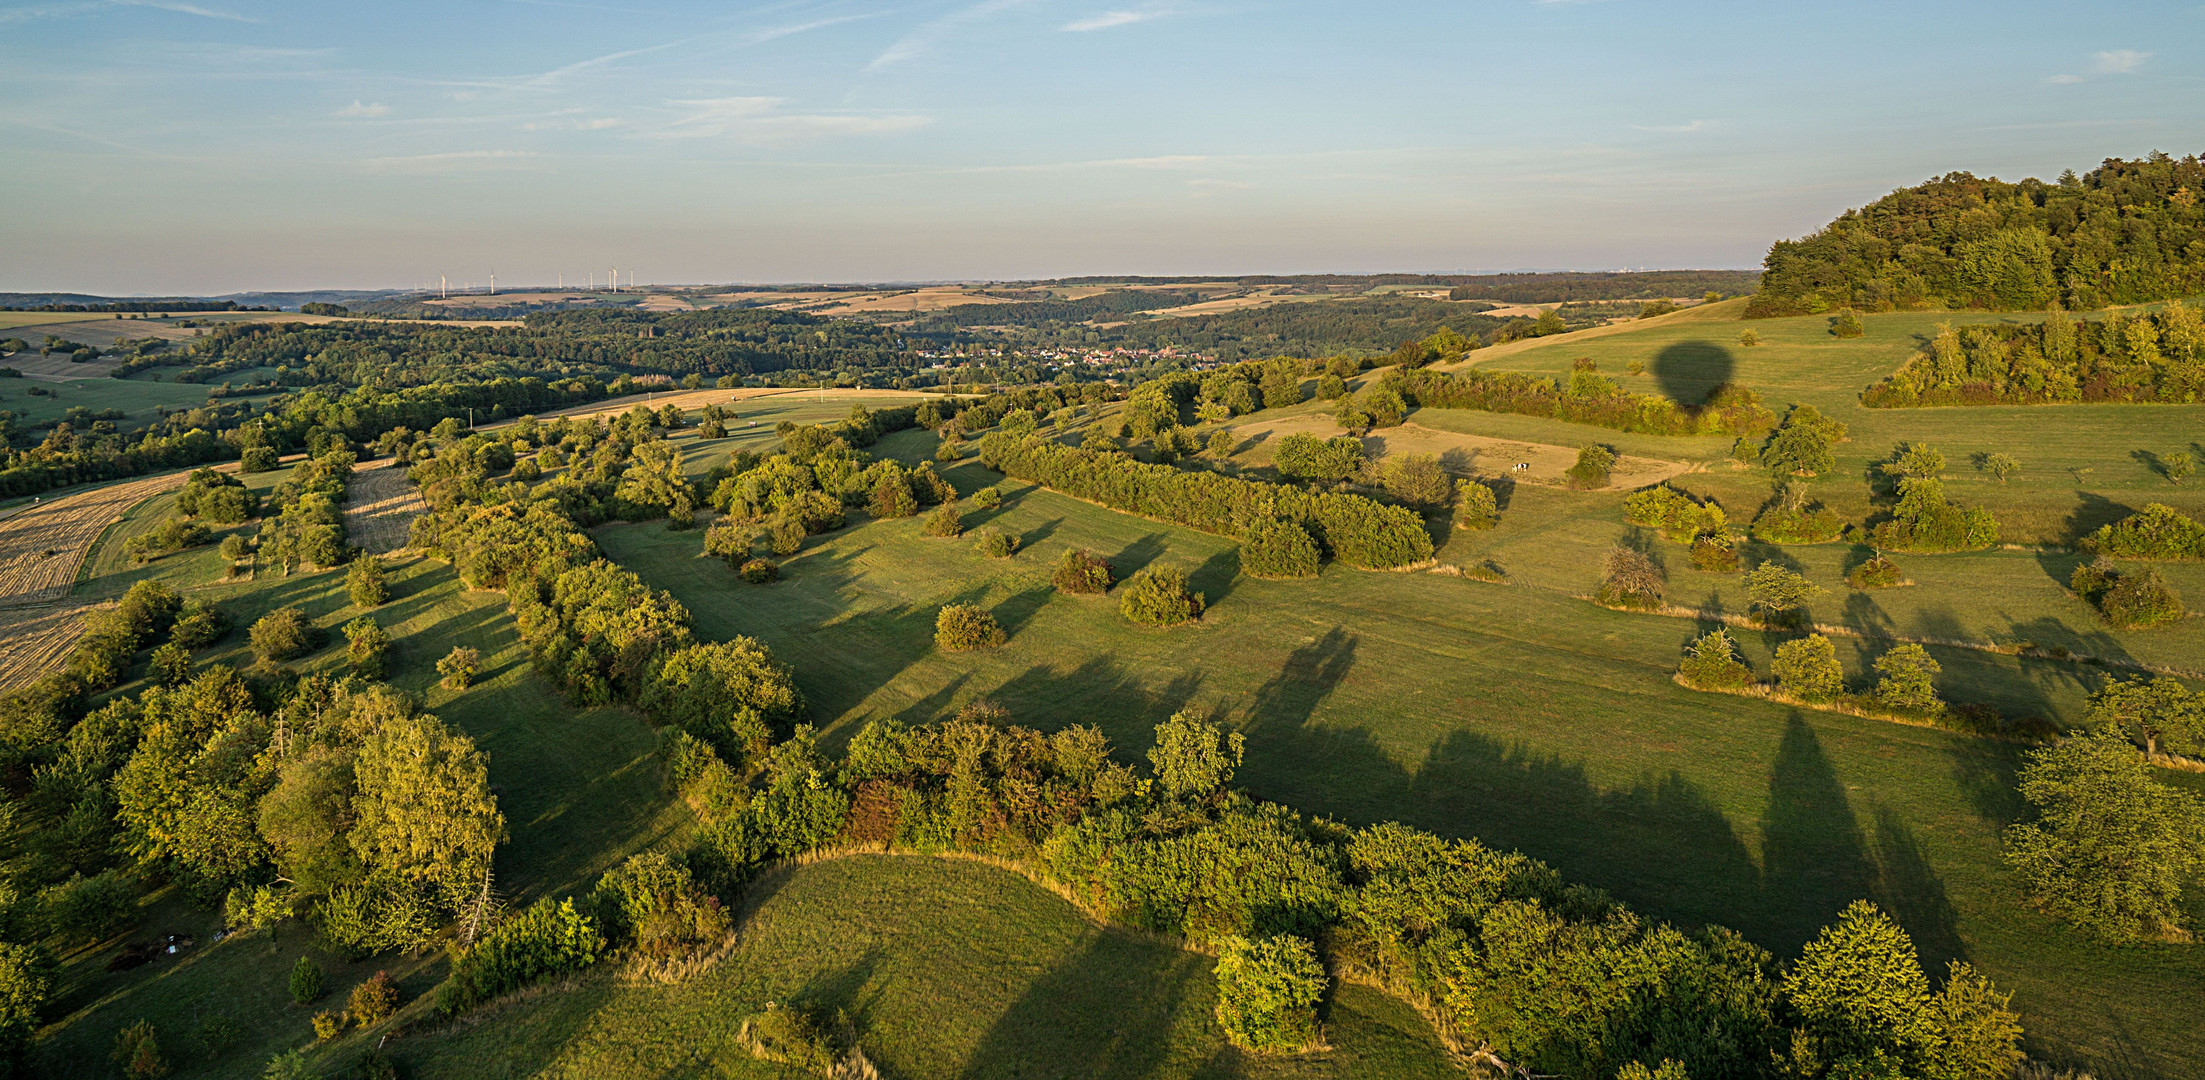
x: 1217, y: 575
x: 1914, y: 895
x: 1688, y: 370
x: 1014, y: 613
x: 2092, y: 511
x: 1814, y: 859
x: 1040, y: 532
x: 2156, y: 464
x: 1136, y: 556
x: 1099, y: 1015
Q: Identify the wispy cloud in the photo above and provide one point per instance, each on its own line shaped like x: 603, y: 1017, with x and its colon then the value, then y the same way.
x: 63, y: 11
x: 2064, y: 80
x: 762, y: 119
x: 1673, y: 129
x: 359, y: 110
x: 929, y: 34
x: 455, y: 161
x: 2119, y: 61
x: 1109, y: 19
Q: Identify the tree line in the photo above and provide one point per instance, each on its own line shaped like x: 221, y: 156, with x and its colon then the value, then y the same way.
x: 2156, y: 356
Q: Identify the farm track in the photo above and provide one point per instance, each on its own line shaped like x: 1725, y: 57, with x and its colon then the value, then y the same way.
x: 43, y: 547
x: 380, y: 507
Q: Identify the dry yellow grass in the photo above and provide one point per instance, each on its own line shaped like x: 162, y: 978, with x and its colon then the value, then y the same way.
x: 34, y: 640
x: 42, y: 545
x: 380, y: 507
x: 1463, y: 455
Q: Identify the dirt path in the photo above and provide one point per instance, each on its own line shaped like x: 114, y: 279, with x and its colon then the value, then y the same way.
x: 380, y: 507
x: 1463, y: 455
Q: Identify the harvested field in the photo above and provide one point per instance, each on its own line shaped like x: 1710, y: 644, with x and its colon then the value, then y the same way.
x: 34, y: 640
x: 43, y: 545
x: 380, y: 506
x: 1463, y: 455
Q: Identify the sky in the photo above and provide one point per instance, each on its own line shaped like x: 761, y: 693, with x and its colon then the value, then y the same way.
x: 210, y: 146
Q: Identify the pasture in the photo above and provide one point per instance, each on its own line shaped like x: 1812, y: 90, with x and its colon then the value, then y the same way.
x: 1521, y: 716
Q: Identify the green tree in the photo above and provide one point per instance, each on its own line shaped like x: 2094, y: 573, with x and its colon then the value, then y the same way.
x: 1193, y: 758
x: 1278, y: 550
x: 367, y: 646
x: 2111, y: 847
x: 1863, y: 1003
x: 306, y: 980
x: 946, y: 521
x: 962, y: 627
x: 2179, y: 465
x: 171, y: 664
x: 1594, y: 464
x: 236, y: 548
x: 365, y: 582
x: 26, y: 982
x: 1713, y: 663
x: 2001, y: 466
x: 1908, y: 682
x: 1802, y: 444
x: 1779, y: 593
x: 424, y: 810
x: 1847, y: 324
x: 1267, y: 994
x: 1416, y: 480
x: 1476, y: 507
x: 459, y: 667
x: 1159, y: 596
x: 1807, y: 668
x: 285, y: 634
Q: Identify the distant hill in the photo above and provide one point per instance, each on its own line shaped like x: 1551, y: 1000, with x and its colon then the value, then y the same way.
x: 1545, y: 287
x: 2128, y: 232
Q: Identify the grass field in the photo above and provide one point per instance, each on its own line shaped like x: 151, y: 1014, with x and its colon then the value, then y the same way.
x: 948, y: 969
x: 136, y: 396
x: 1525, y: 718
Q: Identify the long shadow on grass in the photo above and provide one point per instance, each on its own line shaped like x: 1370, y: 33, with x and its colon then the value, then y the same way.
x: 1814, y: 858
x: 1105, y: 1014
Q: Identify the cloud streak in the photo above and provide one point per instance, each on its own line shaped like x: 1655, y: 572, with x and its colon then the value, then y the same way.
x: 761, y: 119
x: 357, y: 110
x: 930, y: 34
x: 1109, y: 19
x: 63, y: 11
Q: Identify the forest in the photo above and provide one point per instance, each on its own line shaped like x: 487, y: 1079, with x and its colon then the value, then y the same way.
x: 2126, y: 232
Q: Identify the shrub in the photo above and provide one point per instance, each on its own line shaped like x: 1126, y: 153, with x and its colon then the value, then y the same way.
x: 1714, y: 664
x: 285, y: 634
x: 1083, y: 572
x: 652, y: 903
x: 85, y: 909
x: 1195, y: 759
x: 328, y: 1025
x: 367, y: 646
x: 219, y: 1034
x: 2140, y: 598
x: 1807, y: 668
x: 731, y: 540
x: 1267, y: 994
x: 1846, y: 325
x: 1802, y: 444
x: 138, y: 1052
x: 547, y: 940
x: 1633, y: 580
x: 290, y: 1065
x: 236, y: 548
x: 1748, y: 338
x: 1416, y: 480
x: 2155, y: 532
x: 995, y: 543
x: 259, y: 459
x: 1779, y: 594
x: 1908, y: 683
x: 175, y: 534
x: 1715, y: 553
x: 963, y: 627
x: 761, y: 572
x: 1877, y: 573
x: 987, y: 498
x: 1476, y: 507
x: 306, y: 980
x: 792, y: 1036
x: 365, y: 583
x: 1158, y: 596
x: 199, y: 624
x: 373, y: 1000
x: 945, y: 522
x: 891, y: 498
x: 1278, y: 550
x: 1595, y: 463
x: 786, y: 535
x: 2001, y: 466
x: 459, y: 667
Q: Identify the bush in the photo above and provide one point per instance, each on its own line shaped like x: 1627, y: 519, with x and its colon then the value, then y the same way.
x: 1808, y: 669
x: 1908, y: 684
x: 786, y: 535
x: 328, y: 1025
x: 306, y: 980
x: 1715, y: 553
x: 1278, y: 550
x: 367, y: 646
x: 199, y: 624
x: 1846, y: 325
x: 995, y: 543
x: 138, y: 1052
x: 1416, y: 480
x: 285, y: 634
x: 236, y: 548
x: 86, y: 909
x: 1595, y: 463
x: 1714, y: 664
x: 2155, y: 532
x: 373, y: 1000
x: 1267, y: 994
x: 219, y: 1034
x: 1877, y: 573
x: 891, y: 498
x: 1633, y: 580
x: 259, y: 459
x: 761, y: 572
x: 1083, y: 572
x: 365, y: 583
x: 175, y: 534
x: 1476, y: 507
x: 792, y: 1036
x: 2140, y: 598
x: 987, y: 498
x: 945, y: 522
x: 459, y: 667
x: 1778, y: 594
x: 547, y: 940
x: 653, y: 904
x: 1158, y: 596
x: 963, y: 627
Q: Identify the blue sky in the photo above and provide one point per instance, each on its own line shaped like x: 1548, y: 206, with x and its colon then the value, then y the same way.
x: 216, y: 145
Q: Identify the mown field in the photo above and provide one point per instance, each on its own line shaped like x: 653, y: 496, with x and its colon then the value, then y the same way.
x: 1518, y: 715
